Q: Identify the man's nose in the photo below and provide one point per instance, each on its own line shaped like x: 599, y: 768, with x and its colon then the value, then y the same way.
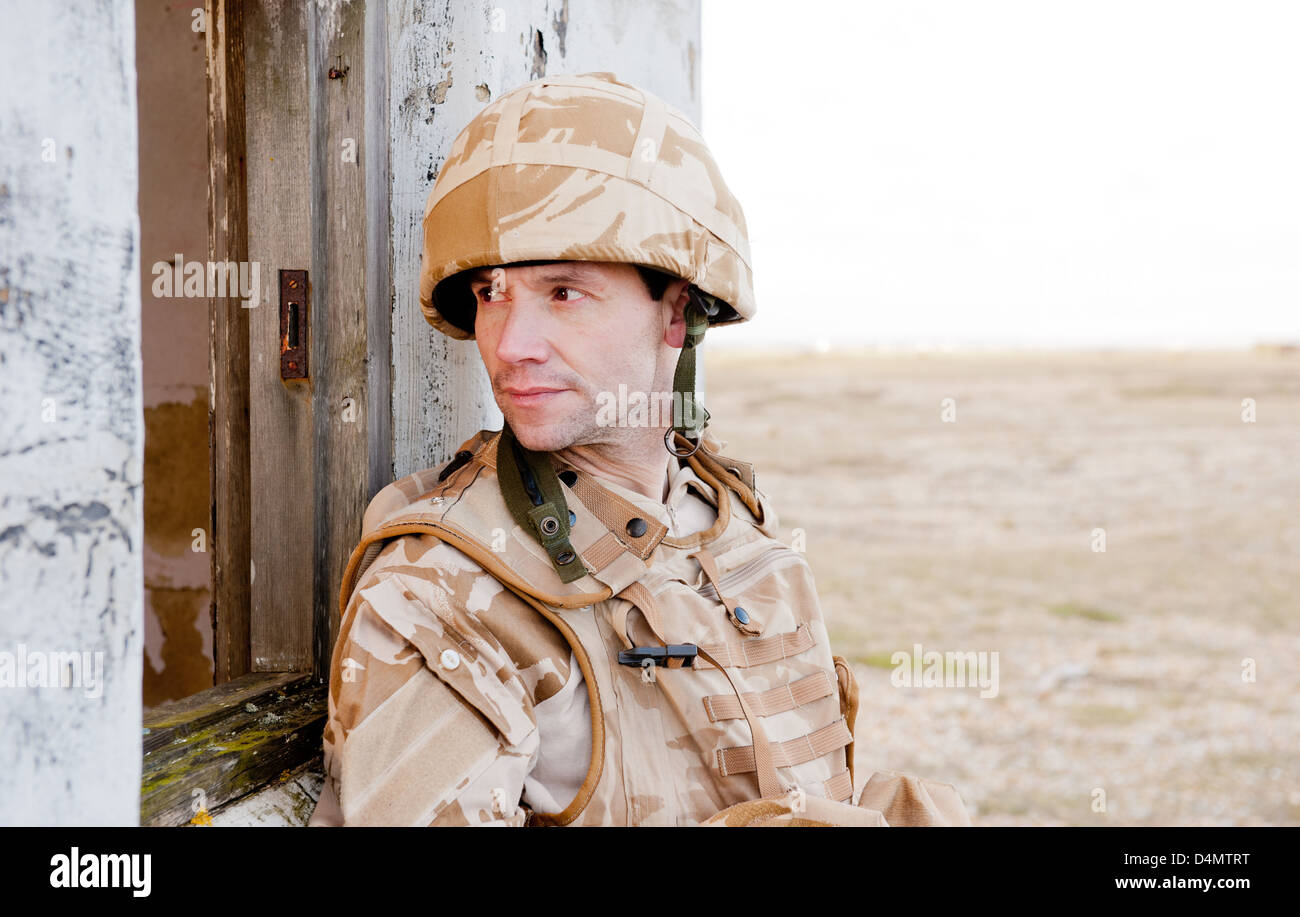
x: 522, y: 334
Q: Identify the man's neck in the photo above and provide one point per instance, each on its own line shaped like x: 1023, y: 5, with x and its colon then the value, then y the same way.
x: 646, y: 474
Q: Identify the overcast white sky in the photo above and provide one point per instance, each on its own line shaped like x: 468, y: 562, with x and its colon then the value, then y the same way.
x: 992, y: 172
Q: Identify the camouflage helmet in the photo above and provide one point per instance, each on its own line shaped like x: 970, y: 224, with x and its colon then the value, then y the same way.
x: 582, y: 168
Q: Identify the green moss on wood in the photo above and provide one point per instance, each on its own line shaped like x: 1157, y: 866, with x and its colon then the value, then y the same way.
x: 228, y: 756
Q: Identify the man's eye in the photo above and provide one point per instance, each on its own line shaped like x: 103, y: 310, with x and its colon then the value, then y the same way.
x: 573, y: 295
x: 487, y: 294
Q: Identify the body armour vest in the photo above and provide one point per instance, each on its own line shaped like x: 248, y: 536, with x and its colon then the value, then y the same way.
x: 707, y: 663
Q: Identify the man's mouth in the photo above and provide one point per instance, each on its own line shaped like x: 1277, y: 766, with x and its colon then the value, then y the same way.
x: 532, y: 396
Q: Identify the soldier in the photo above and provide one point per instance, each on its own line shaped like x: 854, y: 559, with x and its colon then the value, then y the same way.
x: 569, y: 624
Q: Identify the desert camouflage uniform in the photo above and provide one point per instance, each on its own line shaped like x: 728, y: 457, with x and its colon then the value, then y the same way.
x: 453, y: 691
x: 440, y: 671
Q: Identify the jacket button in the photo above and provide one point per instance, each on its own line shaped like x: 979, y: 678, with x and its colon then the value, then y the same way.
x: 636, y: 527
x: 573, y: 518
x: 449, y: 659
x: 741, y: 615
x: 565, y: 558
x: 568, y: 477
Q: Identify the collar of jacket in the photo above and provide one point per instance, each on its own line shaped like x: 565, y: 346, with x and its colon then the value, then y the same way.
x: 690, y: 505
x: 466, y: 511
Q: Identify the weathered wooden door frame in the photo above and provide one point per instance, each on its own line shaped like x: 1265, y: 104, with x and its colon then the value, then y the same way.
x: 294, y: 186
x: 228, y: 343
x: 290, y: 84
x: 292, y: 463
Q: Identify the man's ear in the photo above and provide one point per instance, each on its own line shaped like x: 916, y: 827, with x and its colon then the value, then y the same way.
x: 677, y: 294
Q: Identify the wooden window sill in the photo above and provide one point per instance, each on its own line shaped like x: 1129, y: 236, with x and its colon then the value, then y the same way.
x: 228, y: 742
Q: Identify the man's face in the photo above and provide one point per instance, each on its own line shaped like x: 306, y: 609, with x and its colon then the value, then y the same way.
x: 554, y: 336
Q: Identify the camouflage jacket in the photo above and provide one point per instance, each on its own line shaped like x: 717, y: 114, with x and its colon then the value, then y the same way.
x: 464, y: 666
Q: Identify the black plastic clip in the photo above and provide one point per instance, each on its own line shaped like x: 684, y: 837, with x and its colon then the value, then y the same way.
x: 658, y: 655
x: 455, y: 464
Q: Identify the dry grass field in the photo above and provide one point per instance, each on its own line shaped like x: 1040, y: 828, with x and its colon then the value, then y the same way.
x: 1120, y: 672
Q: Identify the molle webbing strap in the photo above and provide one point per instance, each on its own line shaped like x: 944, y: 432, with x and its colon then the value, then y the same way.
x: 840, y: 787
x: 775, y: 700
x: 769, y: 783
x: 761, y: 650
x: 535, y: 499
x: 742, y: 759
x: 762, y: 754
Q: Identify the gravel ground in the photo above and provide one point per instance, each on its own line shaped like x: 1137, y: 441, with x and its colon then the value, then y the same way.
x: 1152, y: 683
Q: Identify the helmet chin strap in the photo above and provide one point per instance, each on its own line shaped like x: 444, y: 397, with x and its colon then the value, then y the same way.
x: 694, y: 417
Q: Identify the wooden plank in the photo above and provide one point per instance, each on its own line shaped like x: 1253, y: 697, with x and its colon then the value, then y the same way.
x: 280, y: 416
x: 167, y: 722
x: 379, y: 262
x: 228, y: 344
x: 337, y: 83
x: 228, y: 744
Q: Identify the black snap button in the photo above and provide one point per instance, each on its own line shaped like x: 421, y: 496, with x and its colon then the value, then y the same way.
x: 565, y: 558
x: 636, y: 527
x: 741, y: 615
x: 550, y: 525
x: 569, y: 477
x: 573, y: 517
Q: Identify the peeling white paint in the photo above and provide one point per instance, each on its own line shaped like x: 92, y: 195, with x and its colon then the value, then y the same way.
x: 327, y: 15
x: 71, y: 514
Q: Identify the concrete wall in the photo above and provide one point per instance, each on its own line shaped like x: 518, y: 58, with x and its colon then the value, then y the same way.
x: 71, y: 437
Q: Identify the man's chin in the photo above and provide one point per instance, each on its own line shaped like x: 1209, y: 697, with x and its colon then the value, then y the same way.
x: 542, y: 435
x: 539, y: 440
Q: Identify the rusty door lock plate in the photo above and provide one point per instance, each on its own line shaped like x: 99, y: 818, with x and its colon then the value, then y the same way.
x: 294, y: 310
